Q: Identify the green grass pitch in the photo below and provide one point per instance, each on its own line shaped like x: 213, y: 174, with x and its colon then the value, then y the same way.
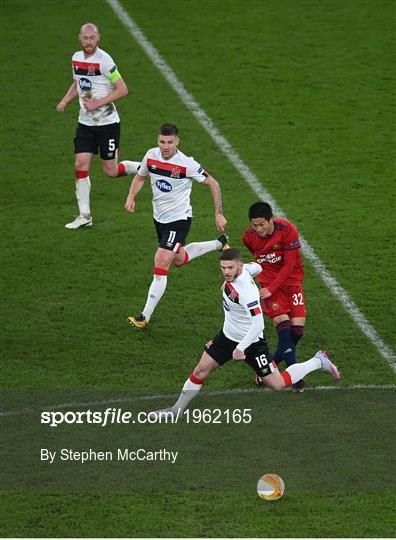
x: 304, y: 92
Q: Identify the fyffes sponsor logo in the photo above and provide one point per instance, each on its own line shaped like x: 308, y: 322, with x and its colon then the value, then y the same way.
x: 84, y: 84
x: 163, y: 185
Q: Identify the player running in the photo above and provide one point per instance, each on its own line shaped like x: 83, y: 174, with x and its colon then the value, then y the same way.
x: 97, y: 83
x: 275, y: 245
x: 242, y: 338
x: 171, y: 175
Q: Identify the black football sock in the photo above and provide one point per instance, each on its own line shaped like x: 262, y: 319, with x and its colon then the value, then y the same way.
x: 297, y: 333
x: 286, y: 349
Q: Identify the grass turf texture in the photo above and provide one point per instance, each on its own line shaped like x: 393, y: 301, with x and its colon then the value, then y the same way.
x: 339, y: 457
x: 305, y: 94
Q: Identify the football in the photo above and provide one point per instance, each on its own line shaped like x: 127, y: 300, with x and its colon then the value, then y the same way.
x: 270, y: 487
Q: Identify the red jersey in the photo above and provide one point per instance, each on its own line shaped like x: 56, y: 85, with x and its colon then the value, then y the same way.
x: 279, y: 255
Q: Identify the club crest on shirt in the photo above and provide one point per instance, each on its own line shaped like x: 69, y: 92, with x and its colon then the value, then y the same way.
x: 276, y: 246
x: 231, y: 293
x: 274, y: 306
x: 91, y: 70
x: 175, y: 173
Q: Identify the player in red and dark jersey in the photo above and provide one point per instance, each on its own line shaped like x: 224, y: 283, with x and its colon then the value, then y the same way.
x: 275, y: 245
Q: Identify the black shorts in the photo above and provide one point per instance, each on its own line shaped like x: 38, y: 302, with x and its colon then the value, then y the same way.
x: 172, y: 235
x: 220, y: 348
x: 90, y: 138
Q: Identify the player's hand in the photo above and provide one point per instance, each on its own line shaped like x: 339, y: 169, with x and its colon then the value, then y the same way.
x: 264, y: 293
x: 221, y: 222
x: 91, y: 104
x: 238, y: 354
x: 61, y: 106
x: 130, y: 205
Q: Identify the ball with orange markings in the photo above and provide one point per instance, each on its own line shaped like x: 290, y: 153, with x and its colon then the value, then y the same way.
x: 270, y: 487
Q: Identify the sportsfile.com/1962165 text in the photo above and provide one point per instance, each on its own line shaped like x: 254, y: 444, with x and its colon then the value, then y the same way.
x: 113, y: 415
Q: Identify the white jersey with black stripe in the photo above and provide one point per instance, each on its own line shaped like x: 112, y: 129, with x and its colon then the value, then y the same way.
x: 171, y: 183
x: 93, y: 77
x: 243, y: 318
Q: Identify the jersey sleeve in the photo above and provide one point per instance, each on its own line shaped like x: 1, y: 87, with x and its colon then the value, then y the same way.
x: 195, y: 171
x: 292, y: 240
x: 143, y: 169
x: 247, y: 240
x: 251, y: 304
x: 74, y: 57
x: 253, y: 268
x: 109, y: 69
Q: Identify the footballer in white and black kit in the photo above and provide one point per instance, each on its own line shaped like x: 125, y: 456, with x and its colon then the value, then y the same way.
x: 171, y: 175
x: 94, y: 78
x: 97, y: 83
x: 243, y: 324
x: 171, y: 184
x: 241, y: 339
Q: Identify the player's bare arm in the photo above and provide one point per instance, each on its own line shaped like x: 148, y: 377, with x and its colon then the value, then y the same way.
x: 70, y: 95
x: 136, y: 186
x: 120, y: 90
x: 221, y: 221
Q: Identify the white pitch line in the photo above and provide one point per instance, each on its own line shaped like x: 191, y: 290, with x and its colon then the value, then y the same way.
x: 214, y: 393
x: 225, y: 147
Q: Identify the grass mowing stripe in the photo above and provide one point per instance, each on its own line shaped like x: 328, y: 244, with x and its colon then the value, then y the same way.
x: 234, y: 391
x: 225, y: 147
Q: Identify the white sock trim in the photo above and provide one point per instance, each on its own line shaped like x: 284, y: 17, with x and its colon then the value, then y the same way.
x: 196, y: 249
x: 131, y: 167
x: 189, y: 391
x: 300, y: 370
x: 155, y: 293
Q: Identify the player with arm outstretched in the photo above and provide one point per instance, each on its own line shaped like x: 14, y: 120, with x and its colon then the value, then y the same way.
x: 242, y: 338
x: 275, y: 245
x: 171, y: 175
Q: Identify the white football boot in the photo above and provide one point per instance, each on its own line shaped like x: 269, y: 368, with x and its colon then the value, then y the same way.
x: 80, y: 221
x: 327, y: 365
